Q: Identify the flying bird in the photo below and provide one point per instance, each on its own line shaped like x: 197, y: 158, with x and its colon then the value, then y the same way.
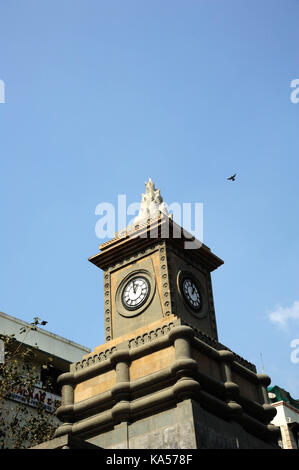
x: 232, y: 178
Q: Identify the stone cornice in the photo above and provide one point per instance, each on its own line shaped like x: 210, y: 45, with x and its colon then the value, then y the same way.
x: 153, y: 340
x: 161, y: 229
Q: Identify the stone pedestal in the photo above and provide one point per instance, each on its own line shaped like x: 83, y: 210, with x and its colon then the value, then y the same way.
x: 169, y: 386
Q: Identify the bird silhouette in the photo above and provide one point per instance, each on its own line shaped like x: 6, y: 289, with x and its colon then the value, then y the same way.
x: 232, y: 178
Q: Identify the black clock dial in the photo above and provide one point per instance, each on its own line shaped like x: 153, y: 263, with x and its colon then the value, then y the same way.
x: 135, y: 292
x: 191, y: 293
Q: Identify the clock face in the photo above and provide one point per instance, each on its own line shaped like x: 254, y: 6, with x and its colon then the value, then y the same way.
x: 191, y: 293
x: 135, y: 292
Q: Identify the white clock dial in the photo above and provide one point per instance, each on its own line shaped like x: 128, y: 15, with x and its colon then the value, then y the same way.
x: 191, y: 293
x: 135, y: 292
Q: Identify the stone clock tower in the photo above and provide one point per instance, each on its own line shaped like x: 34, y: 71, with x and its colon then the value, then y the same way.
x: 162, y: 379
x: 149, y: 276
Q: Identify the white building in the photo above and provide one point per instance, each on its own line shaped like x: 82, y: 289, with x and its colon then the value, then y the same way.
x: 287, y: 417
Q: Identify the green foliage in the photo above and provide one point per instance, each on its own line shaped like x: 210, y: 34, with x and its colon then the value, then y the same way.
x: 21, y: 424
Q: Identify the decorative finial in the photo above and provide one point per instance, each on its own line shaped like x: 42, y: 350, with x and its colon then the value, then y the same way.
x: 152, y: 204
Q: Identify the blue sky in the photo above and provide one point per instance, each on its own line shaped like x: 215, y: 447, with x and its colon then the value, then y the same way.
x: 101, y: 95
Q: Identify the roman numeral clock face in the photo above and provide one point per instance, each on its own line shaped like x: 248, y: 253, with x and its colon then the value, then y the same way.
x: 191, y: 293
x: 135, y: 293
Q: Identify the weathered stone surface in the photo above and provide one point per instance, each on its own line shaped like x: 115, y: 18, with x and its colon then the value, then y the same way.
x: 66, y: 442
x: 170, y: 438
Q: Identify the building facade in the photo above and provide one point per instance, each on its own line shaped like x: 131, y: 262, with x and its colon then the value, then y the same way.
x: 287, y: 416
x: 47, y: 348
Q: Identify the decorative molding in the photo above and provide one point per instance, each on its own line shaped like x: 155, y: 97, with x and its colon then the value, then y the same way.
x: 94, y: 359
x: 166, y: 283
x: 150, y: 336
x: 107, y: 306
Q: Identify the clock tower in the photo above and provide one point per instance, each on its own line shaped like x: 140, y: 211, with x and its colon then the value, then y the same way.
x: 162, y: 379
x: 149, y: 275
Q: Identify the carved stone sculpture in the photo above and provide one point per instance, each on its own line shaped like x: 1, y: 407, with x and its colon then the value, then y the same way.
x: 152, y: 204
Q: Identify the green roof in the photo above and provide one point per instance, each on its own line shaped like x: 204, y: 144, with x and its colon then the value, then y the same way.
x: 282, y: 395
